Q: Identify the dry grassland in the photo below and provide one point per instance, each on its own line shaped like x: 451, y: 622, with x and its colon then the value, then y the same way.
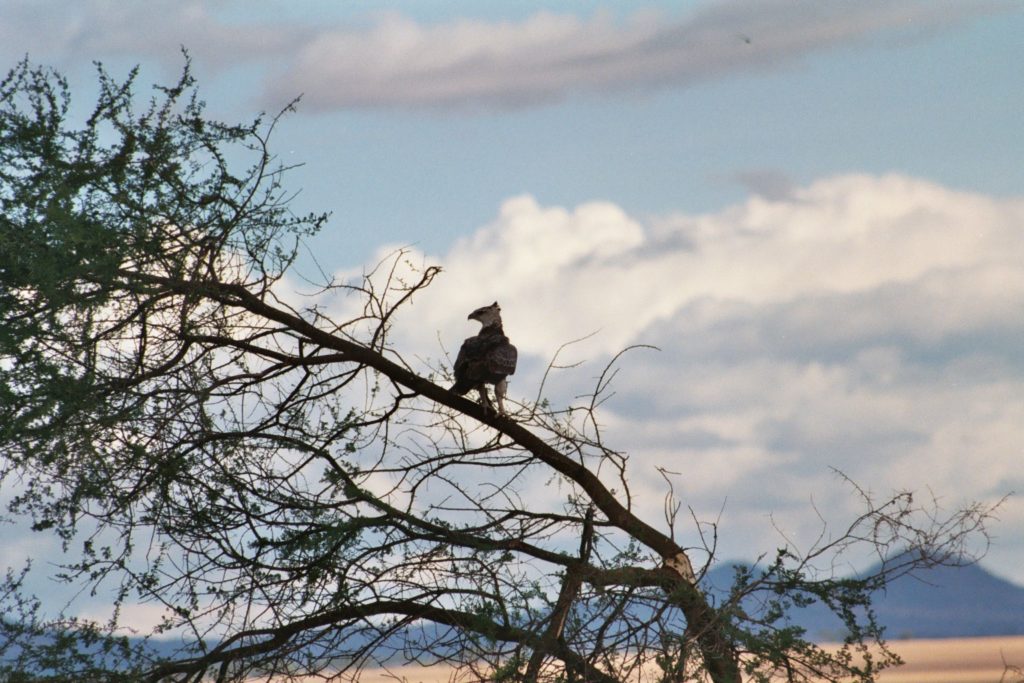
x: 962, y: 660
x: 965, y: 660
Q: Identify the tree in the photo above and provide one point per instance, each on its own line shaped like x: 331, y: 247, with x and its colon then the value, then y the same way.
x: 298, y: 496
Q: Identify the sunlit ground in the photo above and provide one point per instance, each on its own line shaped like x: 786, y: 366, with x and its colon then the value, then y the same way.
x: 963, y: 660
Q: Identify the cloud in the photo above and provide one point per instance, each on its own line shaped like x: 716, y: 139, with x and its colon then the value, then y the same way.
x: 870, y: 324
x: 887, y: 256
x: 72, y: 33
x: 547, y: 56
x: 394, y: 61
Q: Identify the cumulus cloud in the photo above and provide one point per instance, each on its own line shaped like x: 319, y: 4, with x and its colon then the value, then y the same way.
x: 870, y: 324
x: 392, y: 60
x: 896, y: 255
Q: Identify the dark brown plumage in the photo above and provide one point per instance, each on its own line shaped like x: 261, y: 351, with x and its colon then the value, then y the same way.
x: 487, y: 358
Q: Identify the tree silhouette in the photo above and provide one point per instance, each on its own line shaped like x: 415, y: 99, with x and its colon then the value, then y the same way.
x: 298, y: 496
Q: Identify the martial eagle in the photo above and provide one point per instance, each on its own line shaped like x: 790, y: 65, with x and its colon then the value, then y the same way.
x: 487, y: 358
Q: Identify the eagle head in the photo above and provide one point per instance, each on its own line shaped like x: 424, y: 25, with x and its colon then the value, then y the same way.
x: 486, y: 315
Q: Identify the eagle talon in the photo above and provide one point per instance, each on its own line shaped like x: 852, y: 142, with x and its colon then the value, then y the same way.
x: 487, y: 358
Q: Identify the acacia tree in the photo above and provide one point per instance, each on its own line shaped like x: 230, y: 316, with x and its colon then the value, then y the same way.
x: 297, y: 495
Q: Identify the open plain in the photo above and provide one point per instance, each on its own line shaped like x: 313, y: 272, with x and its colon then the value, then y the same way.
x: 947, y: 660
x: 958, y: 660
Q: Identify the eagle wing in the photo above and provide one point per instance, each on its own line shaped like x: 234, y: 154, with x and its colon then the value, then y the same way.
x: 501, y: 359
x: 483, y: 359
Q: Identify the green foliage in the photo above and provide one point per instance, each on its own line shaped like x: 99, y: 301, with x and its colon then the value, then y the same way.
x: 762, y: 604
x: 109, y: 229
x: 90, y: 218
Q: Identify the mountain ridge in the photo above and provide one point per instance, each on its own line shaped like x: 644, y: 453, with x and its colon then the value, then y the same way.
x: 941, y: 602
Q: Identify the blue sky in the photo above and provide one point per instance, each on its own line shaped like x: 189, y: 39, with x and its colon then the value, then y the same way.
x: 813, y: 208
x: 937, y: 104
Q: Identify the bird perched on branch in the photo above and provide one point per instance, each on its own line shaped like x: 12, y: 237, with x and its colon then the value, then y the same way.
x: 487, y: 358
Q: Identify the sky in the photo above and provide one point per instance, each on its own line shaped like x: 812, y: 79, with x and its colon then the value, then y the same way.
x: 812, y: 208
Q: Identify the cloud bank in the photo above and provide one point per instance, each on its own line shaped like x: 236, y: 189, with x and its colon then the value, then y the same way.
x: 547, y: 56
x: 80, y: 32
x: 395, y: 61
x: 870, y: 324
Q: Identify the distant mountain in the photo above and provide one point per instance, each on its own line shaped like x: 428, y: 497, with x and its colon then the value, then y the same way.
x: 943, y: 602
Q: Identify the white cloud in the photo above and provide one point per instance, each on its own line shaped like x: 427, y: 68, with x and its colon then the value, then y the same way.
x: 871, y: 324
x: 399, y: 62
x: 875, y: 257
x: 393, y: 60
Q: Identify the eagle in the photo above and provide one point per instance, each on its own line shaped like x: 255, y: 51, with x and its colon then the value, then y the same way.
x: 487, y: 358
